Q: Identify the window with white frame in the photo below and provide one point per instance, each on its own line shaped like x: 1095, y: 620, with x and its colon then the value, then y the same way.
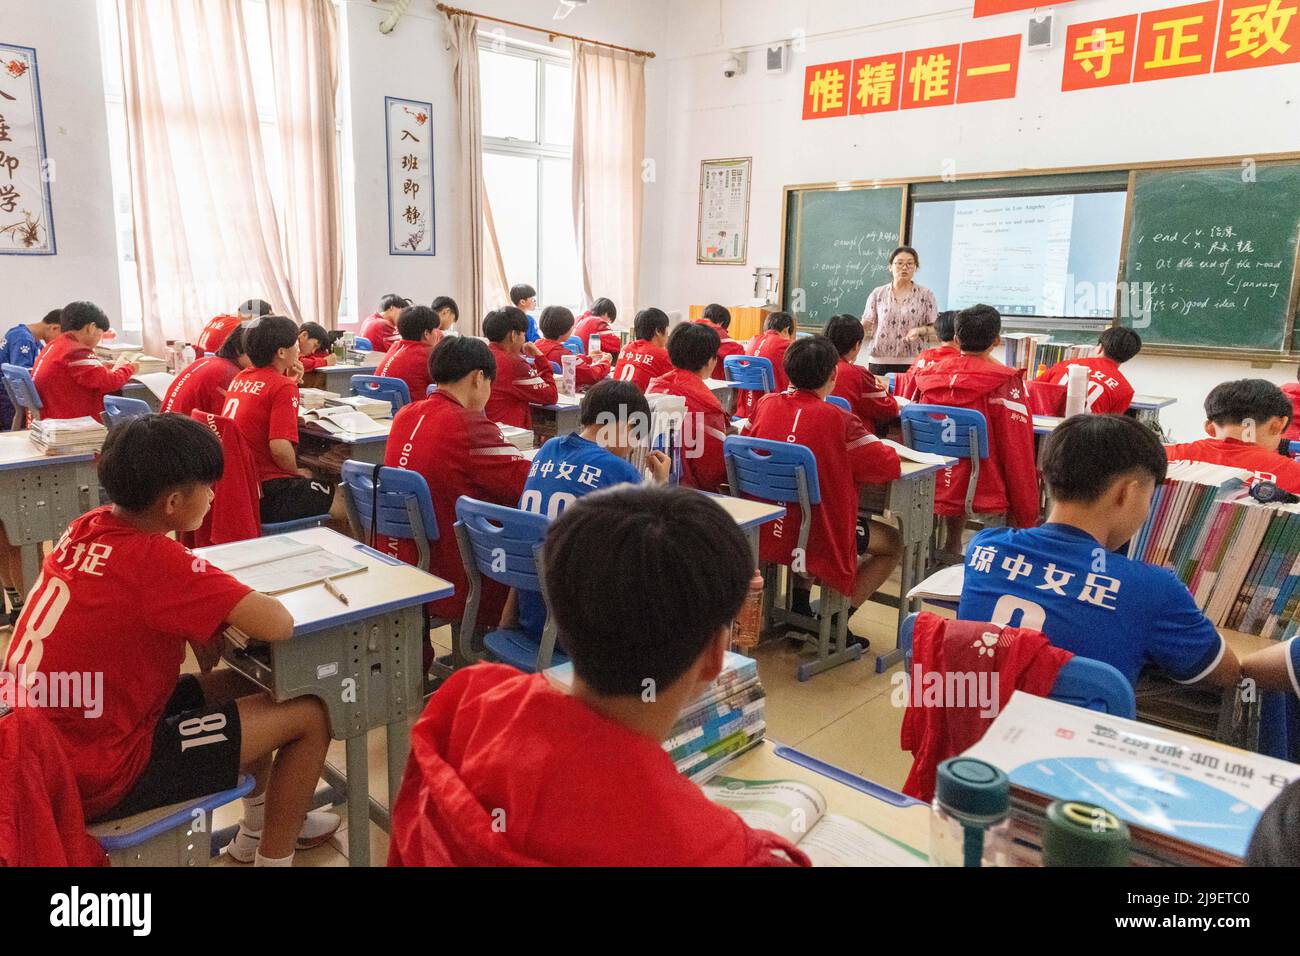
x: 527, y: 98
x: 259, y: 51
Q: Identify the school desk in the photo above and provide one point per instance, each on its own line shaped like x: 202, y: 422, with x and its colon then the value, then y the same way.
x: 1146, y: 408
x: 750, y: 516
x: 338, y: 378
x: 724, y: 392
x: 40, y: 494
x: 364, y: 660
x: 888, y: 811
x: 138, y: 390
x: 564, y: 415
x: 318, y: 448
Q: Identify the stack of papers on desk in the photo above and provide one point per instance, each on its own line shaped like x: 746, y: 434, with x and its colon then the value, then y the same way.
x: 342, y: 420
x: 521, y: 438
x: 908, y: 454
x: 65, y: 436
x: 112, y: 349
x: 726, y: 720
x: 148, y: 365
x: 278, y: 564
x: 374, y: 407
x: 157, y: 382
x: 309, y: 398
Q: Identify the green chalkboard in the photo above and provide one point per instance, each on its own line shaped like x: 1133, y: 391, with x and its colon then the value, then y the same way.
x: 1211, y: 256
x: 837, y: 246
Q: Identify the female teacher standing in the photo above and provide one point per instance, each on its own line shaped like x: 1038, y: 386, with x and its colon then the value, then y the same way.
x: 899, y: 317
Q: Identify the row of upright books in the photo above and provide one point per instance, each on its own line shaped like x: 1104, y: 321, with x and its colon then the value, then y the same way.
x: 725, y: 721
x: 1239, y: 559
x: 1035, y: 354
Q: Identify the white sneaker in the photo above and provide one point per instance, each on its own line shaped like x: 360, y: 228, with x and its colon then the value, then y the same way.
x: 319, y: 826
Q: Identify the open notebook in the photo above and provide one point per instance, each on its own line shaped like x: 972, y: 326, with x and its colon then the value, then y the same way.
x: 278, y: 564
x: 797, y: 811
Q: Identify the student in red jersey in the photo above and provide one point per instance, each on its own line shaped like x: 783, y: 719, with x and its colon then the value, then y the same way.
x: 524, y: 378
x: 380, y: 329
x: 263, y: 402
x: 202, y: 385
x: 771, y: 343
x: 945, y: 327
x: 449, y: 440
x: 448, y: 314
x: 866, y: 394
x: 118, y: 597
x: 314, y: 342
x: 598, y: 321
x: 71, y: 381
x: 645, y: 358
x: 409, y: 359
x: 1008, y: 479
x: 718, y: 318
x: 1108, y: 390
x: 215, y: 332
x: 1245, y: 420
x: 582, y: 777
x: 556, y: 326
x: 1292, y: 391
x: 848, y: 456
x: 693, y: 350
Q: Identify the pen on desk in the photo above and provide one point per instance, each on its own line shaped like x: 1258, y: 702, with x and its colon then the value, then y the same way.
x: 333, y: 589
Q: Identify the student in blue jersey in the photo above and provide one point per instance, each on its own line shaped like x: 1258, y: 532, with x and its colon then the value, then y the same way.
x: 524, y: 298
x: 1066, y: 578
x: 20, y: 346
x: 567, y: 467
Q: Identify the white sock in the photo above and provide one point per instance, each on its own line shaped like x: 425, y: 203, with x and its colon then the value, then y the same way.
x: 260, y: 860
x: 254, y: 813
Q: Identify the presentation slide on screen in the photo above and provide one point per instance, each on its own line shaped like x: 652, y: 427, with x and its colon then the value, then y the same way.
x: 1049, y: 256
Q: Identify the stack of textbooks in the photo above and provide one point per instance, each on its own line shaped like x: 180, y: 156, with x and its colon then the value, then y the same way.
x: 148, y: 365
x: 726, y: 721
x: 66, y: 436
x: 309, y: 398
x: 1239, y: 559
x: 521, y: 438
x: 1187, y: 801
x: 374, y: 407
x: 1035, y: 353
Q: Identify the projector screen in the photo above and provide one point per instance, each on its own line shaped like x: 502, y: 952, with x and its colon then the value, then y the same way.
x: 1048, y: 256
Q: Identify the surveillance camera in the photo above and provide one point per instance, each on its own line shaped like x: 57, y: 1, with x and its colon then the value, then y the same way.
x: 730, y: 66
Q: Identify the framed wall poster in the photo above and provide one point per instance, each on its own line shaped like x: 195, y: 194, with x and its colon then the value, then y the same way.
x: 723, y: 237
x: 26, y: 213
x: 410, y: 177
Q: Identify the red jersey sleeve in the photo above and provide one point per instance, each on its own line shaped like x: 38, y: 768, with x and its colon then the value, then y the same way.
x: 193, y: 597
x: 534, y: 382
x: 312, y: 362
x: 588, y: 373
x: 283, y: 419
x: 498, y: 470
x: 872, y: 460
x: 872, y: 401
x: 1012, y: 429
x: 91, y: 374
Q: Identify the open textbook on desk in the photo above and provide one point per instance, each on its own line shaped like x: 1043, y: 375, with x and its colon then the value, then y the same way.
x: 278, y: 564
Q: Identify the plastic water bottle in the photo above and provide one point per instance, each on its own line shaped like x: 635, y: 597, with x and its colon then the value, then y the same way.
x: 969, y: 817
x: 568, y: 374
x: 187, y: 357
x: 593, y: 344
x: 749, y: 622
x: 1083, y: 834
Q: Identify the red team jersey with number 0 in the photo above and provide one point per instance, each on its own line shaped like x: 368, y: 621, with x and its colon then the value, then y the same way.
x: 115, y: 601
x: 642, y: 362
x: 264, y: 405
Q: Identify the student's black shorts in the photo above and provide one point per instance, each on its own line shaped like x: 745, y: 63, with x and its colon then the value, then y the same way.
x: 863, y: 535
x: 288, y: 499
x: 176, y: 772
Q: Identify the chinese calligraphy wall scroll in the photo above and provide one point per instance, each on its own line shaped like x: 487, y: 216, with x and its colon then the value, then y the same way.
x: 26, y: 216
x: 410, y: 177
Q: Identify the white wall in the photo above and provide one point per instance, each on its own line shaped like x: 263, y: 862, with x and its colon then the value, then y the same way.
x: 413, y: 62
x: 759, y: 115
x: 66, y: 38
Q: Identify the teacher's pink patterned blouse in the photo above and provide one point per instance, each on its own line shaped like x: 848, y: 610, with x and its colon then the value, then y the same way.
x: 893, y: 318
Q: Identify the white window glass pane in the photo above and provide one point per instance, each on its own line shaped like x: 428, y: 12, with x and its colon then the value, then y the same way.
x: 561, y: 278
x: 508, y: 86
x: 512, y: 191
x: 559, y: 105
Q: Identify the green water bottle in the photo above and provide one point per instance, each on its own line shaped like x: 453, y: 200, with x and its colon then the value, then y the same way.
x: 1083, y: 834
x: 969, y: 820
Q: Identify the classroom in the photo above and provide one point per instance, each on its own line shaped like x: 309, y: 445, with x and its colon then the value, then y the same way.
x: 643, y: 433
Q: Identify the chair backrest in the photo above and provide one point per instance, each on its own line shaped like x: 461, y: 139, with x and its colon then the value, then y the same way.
x: 1293, y: 448
x: 390, y: 501
x: 751, y: 373
x: 119, y: 410
x: 500, y: 543
x: 21, y: 389
x: 394, y: 390
x: 362, y: 344
x: 841, y: 401
x: 557, y: 368
x: 946, y: 430
x: 574, y: 344
x: 1082, y: 681
x: 431, y: 389
x: 771, y: 470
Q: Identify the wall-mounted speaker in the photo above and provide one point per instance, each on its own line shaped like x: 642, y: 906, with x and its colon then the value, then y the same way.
x: 1040, y: 30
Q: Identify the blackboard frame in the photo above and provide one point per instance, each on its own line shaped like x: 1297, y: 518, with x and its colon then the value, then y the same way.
x: 1289, y: 350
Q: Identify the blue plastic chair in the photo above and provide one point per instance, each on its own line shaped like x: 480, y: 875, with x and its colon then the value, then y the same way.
x: 362, y: 344
x: 1082, y: 681
x: 785, y: 473
x: 297, y: 524
x: 393, y: 390
x: 167, y: 836
x: 946, y: 430
x: 401, y: 500
x: 21, y: 389
x: 841, y: 401
x: 574, y: 344
x: 750, y: 373
x: 119, y: 410
x: 1293, y: 448
x: 501, y: 544
x: 431, y: 389
x: 557, y: 368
